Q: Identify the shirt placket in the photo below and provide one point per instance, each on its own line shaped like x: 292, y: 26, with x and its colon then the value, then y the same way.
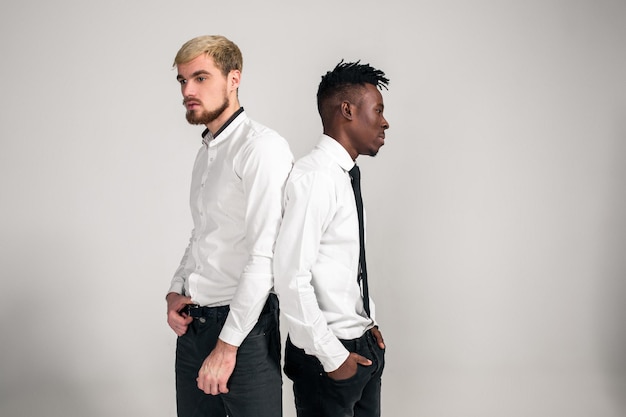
x: 201, y: 205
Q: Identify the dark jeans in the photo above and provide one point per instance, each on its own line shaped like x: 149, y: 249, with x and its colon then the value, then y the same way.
x: 317, y: 395
x: 255, y: 387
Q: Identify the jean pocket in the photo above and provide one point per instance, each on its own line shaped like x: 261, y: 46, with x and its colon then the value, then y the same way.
x: 361, y: 372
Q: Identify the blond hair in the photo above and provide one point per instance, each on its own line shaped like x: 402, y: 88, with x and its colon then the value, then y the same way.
x: 225, y: 53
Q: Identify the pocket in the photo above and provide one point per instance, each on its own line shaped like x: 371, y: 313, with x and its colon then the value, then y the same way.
x: 292, y: 370
x: 264, y: 324
x: 256, y: 355
x: 346, y: 391
x: 361, y: 370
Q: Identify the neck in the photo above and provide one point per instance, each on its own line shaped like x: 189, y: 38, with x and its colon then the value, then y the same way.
x: 343, y: 140
x: 224, y: 117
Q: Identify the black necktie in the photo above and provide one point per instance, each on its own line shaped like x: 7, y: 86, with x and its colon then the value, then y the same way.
x: 355, y: 174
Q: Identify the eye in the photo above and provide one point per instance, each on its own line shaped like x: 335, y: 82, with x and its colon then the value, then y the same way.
x: 200, y: 79
x: 182, y: 81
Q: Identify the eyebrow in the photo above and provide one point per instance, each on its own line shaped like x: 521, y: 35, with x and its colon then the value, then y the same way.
x: 195, y: 74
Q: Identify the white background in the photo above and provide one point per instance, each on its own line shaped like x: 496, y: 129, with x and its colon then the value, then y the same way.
x: 497, y: 236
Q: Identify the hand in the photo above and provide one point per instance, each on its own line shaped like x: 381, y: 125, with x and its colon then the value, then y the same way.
x: 378, y: 336
x: 217, y: 369
x: 178, y: 321
x: 349, y: 367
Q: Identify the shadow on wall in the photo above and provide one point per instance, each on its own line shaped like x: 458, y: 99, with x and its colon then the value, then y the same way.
x: 33, y: 378
x: 49, y: 395
x: 612, y: 295
x: 39, y: 374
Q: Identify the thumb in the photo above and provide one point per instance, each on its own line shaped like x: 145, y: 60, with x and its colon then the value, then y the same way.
x: 362, y: 360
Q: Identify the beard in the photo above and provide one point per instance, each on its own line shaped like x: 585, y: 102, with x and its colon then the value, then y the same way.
x: 205, y: 117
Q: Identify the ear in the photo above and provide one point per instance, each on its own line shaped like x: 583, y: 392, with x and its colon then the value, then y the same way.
x: 234, y: 78
x: 346, y: 110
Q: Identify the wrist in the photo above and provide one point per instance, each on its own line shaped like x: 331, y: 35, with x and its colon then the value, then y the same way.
x: 226, y: 347
x: 170, y: 295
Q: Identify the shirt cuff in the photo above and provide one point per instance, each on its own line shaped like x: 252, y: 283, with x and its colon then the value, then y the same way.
x: 232, y: 336
x: 334, y: 356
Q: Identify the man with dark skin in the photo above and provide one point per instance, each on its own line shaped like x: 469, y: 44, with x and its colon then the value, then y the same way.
x: 335, y: 351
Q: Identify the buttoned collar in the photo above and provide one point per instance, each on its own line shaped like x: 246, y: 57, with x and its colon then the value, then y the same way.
x: 224, y: 131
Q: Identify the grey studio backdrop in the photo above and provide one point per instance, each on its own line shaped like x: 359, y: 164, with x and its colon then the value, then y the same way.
x: 496, y: 208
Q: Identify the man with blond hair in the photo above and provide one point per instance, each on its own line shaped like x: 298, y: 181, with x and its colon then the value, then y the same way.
x: 221, y: 303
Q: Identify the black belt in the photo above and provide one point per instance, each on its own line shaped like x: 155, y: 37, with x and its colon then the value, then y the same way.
x: 196, y: 311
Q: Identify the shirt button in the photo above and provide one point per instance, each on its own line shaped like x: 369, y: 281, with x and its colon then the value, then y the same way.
x: 202, y: 320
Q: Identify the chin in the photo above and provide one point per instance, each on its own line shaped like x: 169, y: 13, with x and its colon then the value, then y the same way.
x: 374, y: 152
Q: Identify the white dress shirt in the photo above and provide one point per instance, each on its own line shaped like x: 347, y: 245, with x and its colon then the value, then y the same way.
x: 236, y: 205
x: 316, y: 259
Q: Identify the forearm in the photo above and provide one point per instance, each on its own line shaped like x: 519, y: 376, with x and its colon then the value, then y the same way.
x: 316, y: 340
x: 247, y: 304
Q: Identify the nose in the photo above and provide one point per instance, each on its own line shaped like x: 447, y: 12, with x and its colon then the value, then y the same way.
x: 385, y: 123
x: 187, y: 90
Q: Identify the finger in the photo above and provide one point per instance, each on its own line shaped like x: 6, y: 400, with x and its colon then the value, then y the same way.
x: 204, y: 385
x: 362, y: 360
x: 176, y: 320
x: 215, y: 389
x: 178, y: 329
x: 174, y: 326
x: 178, y: 324
x: 379, y: 337
x: 174, y: 317
x: 207, y: 384
x: 223, y: 388
x: 380, y: 341
x: 182, y: 303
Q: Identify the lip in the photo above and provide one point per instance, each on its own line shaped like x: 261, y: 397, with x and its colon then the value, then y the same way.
x: 191, y: 104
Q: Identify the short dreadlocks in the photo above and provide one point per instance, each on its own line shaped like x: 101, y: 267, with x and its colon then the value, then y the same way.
x: 346, y: 75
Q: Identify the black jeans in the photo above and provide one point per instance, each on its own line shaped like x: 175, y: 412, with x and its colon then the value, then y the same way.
x: 317, y: 395
x: 255, y: 387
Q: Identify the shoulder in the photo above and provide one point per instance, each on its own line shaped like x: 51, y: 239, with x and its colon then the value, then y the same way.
x: 262, y: 140
x: 315, y: 171
x: 254, y: 141
x: 259, y: 135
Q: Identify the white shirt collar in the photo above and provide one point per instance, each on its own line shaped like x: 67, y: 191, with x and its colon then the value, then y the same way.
x: 336, y: 151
